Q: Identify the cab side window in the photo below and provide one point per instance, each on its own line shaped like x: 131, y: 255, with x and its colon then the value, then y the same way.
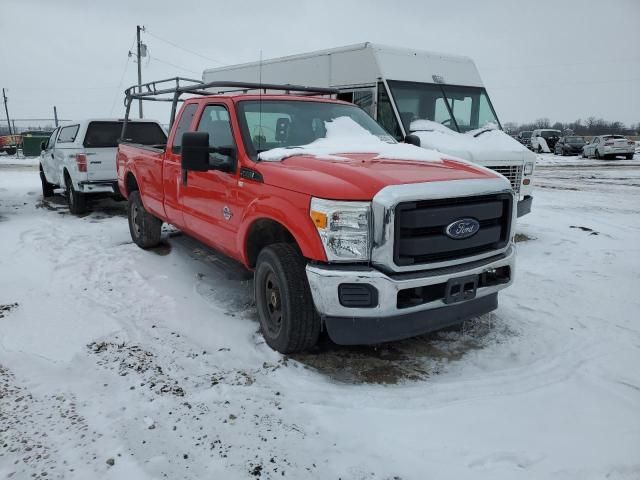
x: 215, y: 121
x: 68, y: 134
x: 183, y: 125
x: 51, y: 140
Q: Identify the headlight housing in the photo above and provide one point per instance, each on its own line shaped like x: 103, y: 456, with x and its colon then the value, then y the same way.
x: 528, y: 168
x: 344, y: 228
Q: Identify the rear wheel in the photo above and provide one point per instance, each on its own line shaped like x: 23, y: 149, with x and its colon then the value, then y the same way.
x: 288, y: 318
x: 629, y: 156
x: 145, y: 229
x: 11, y: 150
x: 76, y: 200
x: 47, y: 188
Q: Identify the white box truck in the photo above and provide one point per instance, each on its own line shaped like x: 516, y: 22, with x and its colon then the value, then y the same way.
x: 411, y: 93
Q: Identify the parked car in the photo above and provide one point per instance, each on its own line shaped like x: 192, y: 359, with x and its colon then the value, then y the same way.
x: 81, y: 157
x: 544, y: 140
x: 369, y: 250
x: 524, y: 138
x: 9, y: 144
x: 609, y: 146
x: 570, y: 145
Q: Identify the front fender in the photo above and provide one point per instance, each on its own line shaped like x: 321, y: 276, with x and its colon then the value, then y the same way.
x: 293, y: 214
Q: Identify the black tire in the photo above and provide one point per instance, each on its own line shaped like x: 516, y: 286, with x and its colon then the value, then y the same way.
x: 76, y: 200
x: 47, y: 188
x: 597, y: 154
x: 145, y: 229
x: 11, y: 150
x: 629, y: 156
x: 287, y: 314
x: 539, y: 149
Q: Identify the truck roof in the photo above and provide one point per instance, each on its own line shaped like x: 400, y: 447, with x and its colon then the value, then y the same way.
x: 356, y: 64
x: 89, y: 120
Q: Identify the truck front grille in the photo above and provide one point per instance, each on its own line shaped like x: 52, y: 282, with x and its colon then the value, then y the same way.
x: 420, y: 228
x: 513, y: 174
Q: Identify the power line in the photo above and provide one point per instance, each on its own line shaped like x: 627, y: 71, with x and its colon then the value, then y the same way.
x: 622, y: 80
x: 183, y: 48
x: 545, y: 65
x: 115, y: 97
x: 174, y: 65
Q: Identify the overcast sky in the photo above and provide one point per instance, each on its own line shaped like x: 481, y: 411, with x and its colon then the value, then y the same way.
x: 561, y: 60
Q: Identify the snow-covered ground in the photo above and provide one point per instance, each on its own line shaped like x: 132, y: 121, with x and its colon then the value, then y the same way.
x: 121, y: 363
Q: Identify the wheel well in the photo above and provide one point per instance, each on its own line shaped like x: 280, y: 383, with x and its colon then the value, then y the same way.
x: 131, y: 185
x: 263, y: 233
x: 66, y: 177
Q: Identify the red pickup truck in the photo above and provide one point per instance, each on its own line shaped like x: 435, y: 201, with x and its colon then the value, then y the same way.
x: 368, y: 247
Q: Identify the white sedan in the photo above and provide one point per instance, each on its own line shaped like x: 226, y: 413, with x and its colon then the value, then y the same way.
x: 609, y: 146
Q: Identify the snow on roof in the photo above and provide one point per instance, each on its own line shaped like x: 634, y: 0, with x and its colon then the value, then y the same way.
x: 344, y: 136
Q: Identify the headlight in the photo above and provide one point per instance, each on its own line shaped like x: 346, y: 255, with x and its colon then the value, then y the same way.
x: 528, y: 168
x: 343, y: 228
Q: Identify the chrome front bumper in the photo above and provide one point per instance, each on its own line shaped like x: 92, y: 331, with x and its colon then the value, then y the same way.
x: 324, y: 281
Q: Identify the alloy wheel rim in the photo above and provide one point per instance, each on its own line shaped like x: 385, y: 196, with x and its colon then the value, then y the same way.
x: 273, y: 304
x: 135, y: 220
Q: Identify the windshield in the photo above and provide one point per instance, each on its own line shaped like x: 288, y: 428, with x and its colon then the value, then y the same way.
x: 525, y: 134
x: 614, y: 137
x: 575, y: 140
x: 106, y: 134
x: 290, y: 123
x: 549, y: 133
x: 459, y: 108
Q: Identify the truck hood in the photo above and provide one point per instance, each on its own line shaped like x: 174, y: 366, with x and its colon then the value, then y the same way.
x: 490, y: 146
x: 360, y: 176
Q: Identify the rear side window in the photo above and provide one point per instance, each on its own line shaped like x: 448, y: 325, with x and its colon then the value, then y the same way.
x: 107, y: 134
x: 183, y: 126
x: 68, y: 134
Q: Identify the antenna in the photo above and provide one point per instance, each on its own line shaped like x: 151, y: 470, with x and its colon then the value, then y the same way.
x: 260, y: 134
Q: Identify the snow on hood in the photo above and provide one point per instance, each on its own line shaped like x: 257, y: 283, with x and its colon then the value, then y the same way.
x: 489, y: 144
x: 344, y: 135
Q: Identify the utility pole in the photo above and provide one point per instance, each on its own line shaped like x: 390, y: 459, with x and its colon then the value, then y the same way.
x: 6, y: 110
x: 139, y: 69
x: 55, y: 116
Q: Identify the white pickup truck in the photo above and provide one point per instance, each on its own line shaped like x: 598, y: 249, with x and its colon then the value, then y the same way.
x: 81, y: 157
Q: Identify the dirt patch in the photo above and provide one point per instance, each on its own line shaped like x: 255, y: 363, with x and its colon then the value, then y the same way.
x: 585, y: 229
x: 413, y: 359
x: 133, y: 359
x: 163, y: 249
x: 55, y: 203
x: 521, y: 237
x: 5, y: 309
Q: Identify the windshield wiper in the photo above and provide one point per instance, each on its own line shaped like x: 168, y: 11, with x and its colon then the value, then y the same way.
x: 483, y: 131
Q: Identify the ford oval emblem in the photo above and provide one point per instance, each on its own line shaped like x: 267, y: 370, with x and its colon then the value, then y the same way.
x: 463, y: 228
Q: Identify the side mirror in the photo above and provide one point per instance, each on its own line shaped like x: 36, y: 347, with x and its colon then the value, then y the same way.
x: 195, y: 151
x: 43, y: 146
x: 412, y: 140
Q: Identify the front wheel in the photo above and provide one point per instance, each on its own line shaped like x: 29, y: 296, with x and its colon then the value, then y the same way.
x: 47, y: 188
x: 286, y: 311
x: 145, y: 229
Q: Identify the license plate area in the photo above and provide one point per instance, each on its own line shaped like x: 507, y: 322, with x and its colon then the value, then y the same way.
x: 461, y: 289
